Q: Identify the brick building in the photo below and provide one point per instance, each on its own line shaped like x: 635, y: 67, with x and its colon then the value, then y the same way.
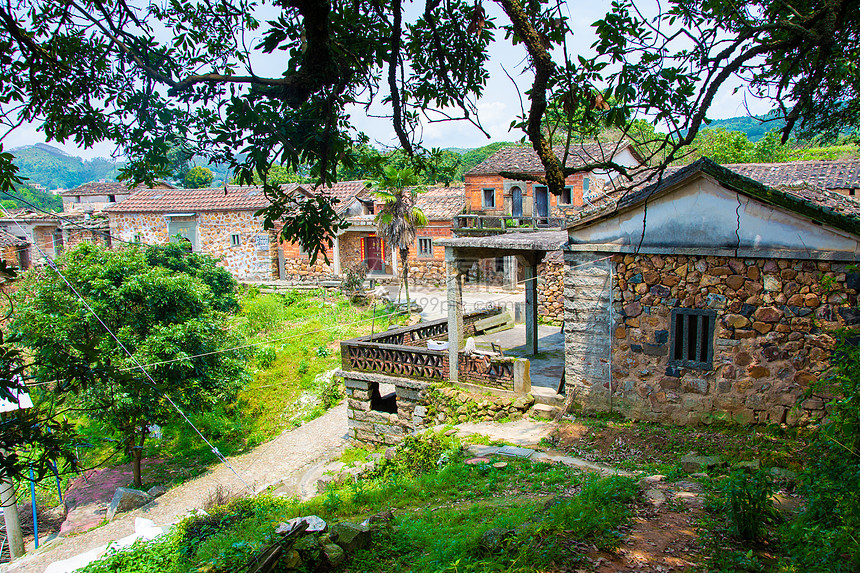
x: 45, y: 230
x: 97, y: 195
x: 718, y: 302
x: 360, y: 243
x: 491, y: 190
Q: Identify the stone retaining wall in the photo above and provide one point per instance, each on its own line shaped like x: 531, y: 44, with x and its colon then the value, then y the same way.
x: 550, y: 289
x: 378, y: 427
x: 772, y: 337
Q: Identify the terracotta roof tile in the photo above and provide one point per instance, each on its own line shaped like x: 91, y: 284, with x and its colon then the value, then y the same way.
x: 522, y: 159
x: 108, y: 188
x: 233, y: 198
x: 835, y: 174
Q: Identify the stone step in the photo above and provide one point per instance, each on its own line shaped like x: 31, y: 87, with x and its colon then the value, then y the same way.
x: 547, y: 396
x: 545, y: 411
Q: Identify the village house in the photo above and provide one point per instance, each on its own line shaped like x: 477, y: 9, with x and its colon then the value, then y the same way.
x: 359, y: 243
x: 29, y: 227
x: 97, y: 195
x: 218, y: 221
x: 719, y: 301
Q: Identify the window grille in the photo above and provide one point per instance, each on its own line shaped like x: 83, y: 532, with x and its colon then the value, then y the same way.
x: 425, y: 247
x: 692, y: 343
x: 235, y: 240
x: 489, y: 198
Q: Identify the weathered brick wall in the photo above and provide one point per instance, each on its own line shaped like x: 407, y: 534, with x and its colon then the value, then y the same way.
x: 771, y: 340
x: 475, y: 184
x: 75, y: 236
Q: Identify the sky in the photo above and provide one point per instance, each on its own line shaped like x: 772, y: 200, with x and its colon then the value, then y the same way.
x: 499, y: 105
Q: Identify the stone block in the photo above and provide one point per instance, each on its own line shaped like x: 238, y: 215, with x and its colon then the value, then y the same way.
x: 126, y: 499
x: 355, y: 384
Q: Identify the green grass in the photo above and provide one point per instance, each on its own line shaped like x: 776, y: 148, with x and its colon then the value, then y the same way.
x: 440, y: 517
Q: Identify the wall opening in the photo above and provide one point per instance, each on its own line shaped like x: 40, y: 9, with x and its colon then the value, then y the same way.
x: 383, y: 398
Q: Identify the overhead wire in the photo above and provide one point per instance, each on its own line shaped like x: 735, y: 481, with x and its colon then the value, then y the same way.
x: 151, y: 382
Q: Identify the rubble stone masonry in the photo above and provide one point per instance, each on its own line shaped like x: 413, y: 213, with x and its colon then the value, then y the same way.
x: 773, y: 336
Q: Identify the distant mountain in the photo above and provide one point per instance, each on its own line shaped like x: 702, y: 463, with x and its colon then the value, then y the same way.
x: 53, y: 168
x: 754, y: 127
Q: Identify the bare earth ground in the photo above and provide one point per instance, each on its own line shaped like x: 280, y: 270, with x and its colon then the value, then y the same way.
x: 280, y: 462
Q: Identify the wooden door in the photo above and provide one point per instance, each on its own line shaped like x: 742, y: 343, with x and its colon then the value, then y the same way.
x: 541, y: 202
x: 516, y: 202
x: 373, y: 256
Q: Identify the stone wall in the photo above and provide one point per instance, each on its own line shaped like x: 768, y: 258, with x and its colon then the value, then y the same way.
x: 369, y: 423
x: 250, y: 259
x: 772, y: 337
x: 550, y: 288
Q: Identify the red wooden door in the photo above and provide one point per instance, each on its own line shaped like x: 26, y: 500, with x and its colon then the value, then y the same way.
x: 373, y: 257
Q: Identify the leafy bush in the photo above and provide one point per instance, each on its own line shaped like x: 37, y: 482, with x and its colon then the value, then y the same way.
x: 748, y: 504
x: 415, y: 455
x: 156, y: 556
x: 265, y: 356
x: 353, y: 279
x: 824, y: 537
x: 193, y: 530
x: 263, y: 313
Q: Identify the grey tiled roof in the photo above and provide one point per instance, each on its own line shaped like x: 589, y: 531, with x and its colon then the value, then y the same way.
x: 440, y: 203
x: 10, y: 240
x: 834, y: 174
x: 807, y: 199
x: 522, y: 159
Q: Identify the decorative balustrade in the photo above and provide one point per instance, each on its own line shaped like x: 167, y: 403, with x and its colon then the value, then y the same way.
x: 397, y: 352
x: 505, y: 223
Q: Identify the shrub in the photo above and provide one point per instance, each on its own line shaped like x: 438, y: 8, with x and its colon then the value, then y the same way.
x: 354, y: 278
x: 264, y: 312
x: 748, y: 504
x: 824, y: 537
x: 265, y: 356
x: 415, y: 455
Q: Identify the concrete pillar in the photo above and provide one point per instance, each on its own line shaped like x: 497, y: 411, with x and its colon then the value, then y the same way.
x: 511, y: 273
x: 454, y: 282
x: 10, y: 515
x: 336, y: 255
x: 531, y: 308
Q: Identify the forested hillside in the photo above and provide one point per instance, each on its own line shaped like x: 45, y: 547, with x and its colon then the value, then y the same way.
x: 53, y: 168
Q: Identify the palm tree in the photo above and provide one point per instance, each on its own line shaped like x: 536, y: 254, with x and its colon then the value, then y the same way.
x: 400, y: 215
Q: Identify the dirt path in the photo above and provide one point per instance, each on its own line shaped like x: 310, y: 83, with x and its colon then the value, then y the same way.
x: 280, y: 462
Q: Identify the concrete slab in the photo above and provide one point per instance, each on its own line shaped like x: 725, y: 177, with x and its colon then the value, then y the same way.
x: 479, y: 450
x: 515, y: 452
x: 522, y: 432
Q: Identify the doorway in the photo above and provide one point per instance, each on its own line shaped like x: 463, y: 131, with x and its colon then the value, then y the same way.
x: 516, y: 202
x: 374, y: 256
x: 541, y: 203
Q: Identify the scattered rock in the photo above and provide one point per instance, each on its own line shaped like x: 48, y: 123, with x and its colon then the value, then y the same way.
x: 349, y: 535
x: 156, y: 491
x: 333, y: 554
x: 655, y: 496
x: 315, y: 523
x: 493, y: 540
x: 126, y: 499
x: 781, y: 474
x: 691, y: 462
x: 651, y: 480
x: 390, y: 453
x: 750, y: 465
x: 292, y: 560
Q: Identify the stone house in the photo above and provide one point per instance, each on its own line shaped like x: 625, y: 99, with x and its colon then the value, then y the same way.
x: 45, y: 230
x: 219, y: 222
x: 359, y: 243
x: 710, y: 295
x: 15, y: 251
x: 97, y: 195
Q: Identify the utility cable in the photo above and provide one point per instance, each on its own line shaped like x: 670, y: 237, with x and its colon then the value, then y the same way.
x: 152, y: 383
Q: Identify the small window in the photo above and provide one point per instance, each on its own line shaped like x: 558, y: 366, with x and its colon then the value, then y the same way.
x: 692, y: 344
x: 235, y: 240
x: 137, y: 238
x: 566, y: 196
x: 586, y: 187
x: 489, y: 198
x: 111, y: 198
x: 851, y: 192
x: 425, y: 247
x: 500, y: 264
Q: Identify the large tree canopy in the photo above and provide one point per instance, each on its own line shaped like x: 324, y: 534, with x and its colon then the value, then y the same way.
x: 167, y: 312
x: 188, y: 73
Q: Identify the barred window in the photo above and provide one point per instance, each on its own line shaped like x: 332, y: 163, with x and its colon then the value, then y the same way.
x: 425, y: 247
x: 692, y: 344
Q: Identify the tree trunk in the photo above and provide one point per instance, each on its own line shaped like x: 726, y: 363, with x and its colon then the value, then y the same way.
x: 404, y: 260
x: 137, y: 456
